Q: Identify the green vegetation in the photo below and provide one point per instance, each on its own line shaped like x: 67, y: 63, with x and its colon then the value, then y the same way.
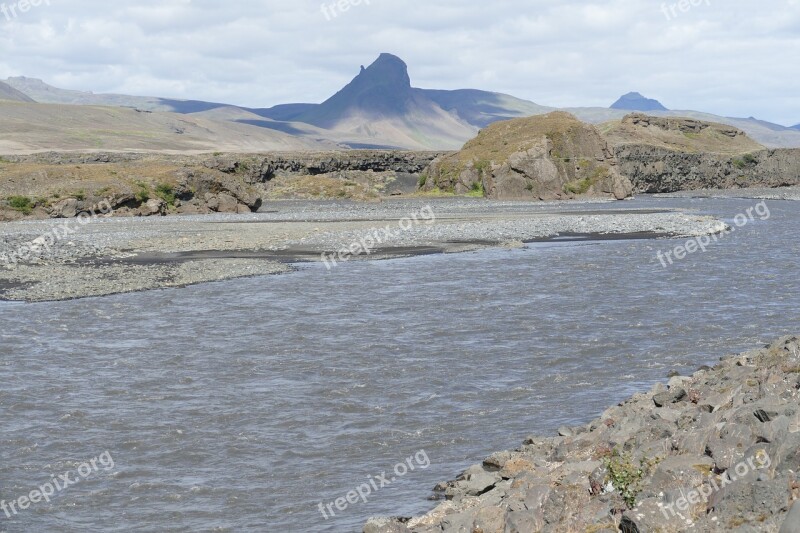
x: 166, y: 193
x: 476, y: 190
x: 750, y: 159
x: 625, y: 476
x: 23, y: 204
x: 80, y: 195
x: 143, y: 194
x: 423, y: 179
x: 482, y: 166
x: 582, y: 186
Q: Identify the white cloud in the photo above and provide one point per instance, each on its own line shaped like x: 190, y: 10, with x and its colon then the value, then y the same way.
x: 730, y: 58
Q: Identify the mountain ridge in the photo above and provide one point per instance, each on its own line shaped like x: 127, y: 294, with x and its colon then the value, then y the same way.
x: 381, y: 109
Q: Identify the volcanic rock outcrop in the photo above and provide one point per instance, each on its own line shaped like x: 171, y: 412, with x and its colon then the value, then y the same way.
x: 547, y: 157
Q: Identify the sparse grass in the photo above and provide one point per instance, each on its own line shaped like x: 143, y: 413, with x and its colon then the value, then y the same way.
x: 143, y: 194
x: 80, y: 195
x: 423, y: 179
x: 476, y: 191
x: 166, y: 193
x: 750, y: 159
x: 23, y: 204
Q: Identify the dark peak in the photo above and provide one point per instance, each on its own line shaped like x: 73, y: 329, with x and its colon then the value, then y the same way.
x: 388, y: 69
x: 634, y: 101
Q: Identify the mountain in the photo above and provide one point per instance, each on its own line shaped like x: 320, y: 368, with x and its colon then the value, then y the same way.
x: 637, y: 102
x: 8, y: 92
x: 381, y: 104
x: 380, y: 108
x: 796, y: 127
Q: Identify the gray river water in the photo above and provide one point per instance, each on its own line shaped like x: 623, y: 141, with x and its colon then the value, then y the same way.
x: 243, y: 405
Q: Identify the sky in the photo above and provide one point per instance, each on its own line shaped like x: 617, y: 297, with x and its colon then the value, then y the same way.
x: 732, y: 57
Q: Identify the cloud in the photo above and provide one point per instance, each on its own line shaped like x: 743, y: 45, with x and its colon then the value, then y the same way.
x: 733, y: 58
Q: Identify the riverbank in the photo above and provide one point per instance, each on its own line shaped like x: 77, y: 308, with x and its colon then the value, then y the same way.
x: 757, y: 193
x: 715, y: 451
x: 67, y: 259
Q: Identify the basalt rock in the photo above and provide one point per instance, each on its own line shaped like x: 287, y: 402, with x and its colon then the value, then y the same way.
x: 726, y: 463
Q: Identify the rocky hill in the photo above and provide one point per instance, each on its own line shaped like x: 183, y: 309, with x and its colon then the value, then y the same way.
x: 715, y: 451
x: 663, y: 154
x: 681, y: 134
x: 545, y: 157
x: 62, y: 185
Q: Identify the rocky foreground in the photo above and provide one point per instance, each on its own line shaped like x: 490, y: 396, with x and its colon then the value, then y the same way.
x: 716, y: 451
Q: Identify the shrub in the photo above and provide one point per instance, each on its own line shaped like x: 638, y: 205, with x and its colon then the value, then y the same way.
x: 166, y: 193
x: 422, y: 181
x: 143, y: 194
x: 80, y: 195
x: 23, y: 204
x: 476, y: 190
x: 625, y: 476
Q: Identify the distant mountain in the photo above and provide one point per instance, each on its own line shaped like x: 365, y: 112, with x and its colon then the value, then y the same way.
x: 47, y: 94
x: 796, y: 127
x: 8, y: 92
x: 31, y: 127
x: 637, y: 102
x: 380, y: 108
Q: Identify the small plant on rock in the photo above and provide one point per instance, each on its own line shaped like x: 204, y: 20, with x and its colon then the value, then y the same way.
x: 625, y: 476
x: 166, y: 193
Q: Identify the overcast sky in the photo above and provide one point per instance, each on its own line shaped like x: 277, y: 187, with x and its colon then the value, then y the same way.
x: 729, y: 57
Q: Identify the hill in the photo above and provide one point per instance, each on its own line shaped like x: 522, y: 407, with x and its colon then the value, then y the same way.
x: 31, y: 127
x: 550, y: 156
x: 8, y: 93
x: 637, y: 102
x: 679, y: 134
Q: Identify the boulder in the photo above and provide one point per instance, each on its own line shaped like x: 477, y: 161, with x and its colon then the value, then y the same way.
x: 153, y: 207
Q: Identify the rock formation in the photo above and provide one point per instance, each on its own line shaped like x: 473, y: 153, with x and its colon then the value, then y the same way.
x: 672, y: 154
x: 715, y: 451
x: 553, y: 156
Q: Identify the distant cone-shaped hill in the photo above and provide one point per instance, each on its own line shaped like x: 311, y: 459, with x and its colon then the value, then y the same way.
x: 636, y: 102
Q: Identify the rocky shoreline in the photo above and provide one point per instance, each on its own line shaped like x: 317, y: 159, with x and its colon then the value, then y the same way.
x: 715, y: 451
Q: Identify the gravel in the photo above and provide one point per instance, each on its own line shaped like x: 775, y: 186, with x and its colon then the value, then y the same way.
x: 117, y: 255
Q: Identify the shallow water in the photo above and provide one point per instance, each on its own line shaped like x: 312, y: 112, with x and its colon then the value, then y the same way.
x: 242, y: 405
